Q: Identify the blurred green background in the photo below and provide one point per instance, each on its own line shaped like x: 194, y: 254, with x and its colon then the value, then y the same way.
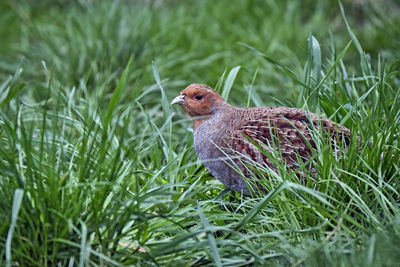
x: 190, y: 41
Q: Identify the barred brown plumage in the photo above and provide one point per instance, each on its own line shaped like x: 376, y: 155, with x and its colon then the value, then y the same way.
x: 228, y: 137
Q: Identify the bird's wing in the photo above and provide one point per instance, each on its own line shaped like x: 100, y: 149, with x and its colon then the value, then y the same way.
x: 287, y: 133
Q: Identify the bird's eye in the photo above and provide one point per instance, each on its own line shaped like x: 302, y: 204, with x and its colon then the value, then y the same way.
x: 198, y: 97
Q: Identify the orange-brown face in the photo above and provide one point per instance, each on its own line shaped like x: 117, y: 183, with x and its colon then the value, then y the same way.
x: 198, y: 100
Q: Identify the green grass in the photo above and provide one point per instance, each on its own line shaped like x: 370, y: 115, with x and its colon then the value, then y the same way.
x: 96, y: 168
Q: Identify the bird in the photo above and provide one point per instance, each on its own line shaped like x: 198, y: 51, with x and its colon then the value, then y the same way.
x: 229, y: 139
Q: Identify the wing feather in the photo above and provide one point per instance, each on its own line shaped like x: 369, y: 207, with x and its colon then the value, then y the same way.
x: 287, y: 133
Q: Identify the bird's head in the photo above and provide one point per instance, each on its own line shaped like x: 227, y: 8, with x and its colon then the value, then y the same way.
x: 199, y: 100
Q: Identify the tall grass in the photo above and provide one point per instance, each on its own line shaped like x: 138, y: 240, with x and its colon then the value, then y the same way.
x: 97, y: 169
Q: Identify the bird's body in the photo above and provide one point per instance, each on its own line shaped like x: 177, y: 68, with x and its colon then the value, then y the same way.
x: 226, y: 138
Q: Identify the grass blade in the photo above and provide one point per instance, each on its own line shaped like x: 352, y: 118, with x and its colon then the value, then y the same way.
x: 117, y: 94
x: 18, y: 195
x: 286, y: 70
x: 229, y: 82
x: 352, y: 35
x: 210, y: 236
x: 254, y: 211
x: 314, y: 53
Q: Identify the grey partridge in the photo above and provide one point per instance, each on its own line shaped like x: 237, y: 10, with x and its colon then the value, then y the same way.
x: 228, y: 138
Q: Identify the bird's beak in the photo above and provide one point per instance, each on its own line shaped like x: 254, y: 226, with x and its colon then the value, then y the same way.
x: 180, y: 99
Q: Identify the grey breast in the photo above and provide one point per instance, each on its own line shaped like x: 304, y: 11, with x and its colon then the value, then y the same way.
x: 215, y: 155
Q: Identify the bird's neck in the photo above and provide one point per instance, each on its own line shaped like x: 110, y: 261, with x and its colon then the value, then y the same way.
x: 222, y: 109
x: 197, y: 123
